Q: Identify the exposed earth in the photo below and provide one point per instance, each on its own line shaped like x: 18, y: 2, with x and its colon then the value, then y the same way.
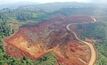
x: 59, y: 35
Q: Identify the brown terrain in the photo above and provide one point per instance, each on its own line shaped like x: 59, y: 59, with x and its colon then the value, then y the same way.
x: 36, y: 40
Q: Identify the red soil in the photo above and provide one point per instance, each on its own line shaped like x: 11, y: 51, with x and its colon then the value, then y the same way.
x: 35, y: 40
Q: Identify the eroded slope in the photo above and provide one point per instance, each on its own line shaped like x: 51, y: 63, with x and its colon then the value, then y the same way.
x: 36, y: 40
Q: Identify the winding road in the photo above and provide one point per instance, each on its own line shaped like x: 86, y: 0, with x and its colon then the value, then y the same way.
x: 91, y: 46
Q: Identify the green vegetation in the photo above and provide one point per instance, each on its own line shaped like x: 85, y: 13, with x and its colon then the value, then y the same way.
x: 48, y: 59
x: 21, y: 15
x: 94, y: 30
x: 102, y: 50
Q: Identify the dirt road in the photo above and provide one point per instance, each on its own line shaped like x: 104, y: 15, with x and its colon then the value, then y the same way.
x: 91, y: 46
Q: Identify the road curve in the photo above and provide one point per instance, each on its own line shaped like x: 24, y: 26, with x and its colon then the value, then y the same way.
x: 91, y: 46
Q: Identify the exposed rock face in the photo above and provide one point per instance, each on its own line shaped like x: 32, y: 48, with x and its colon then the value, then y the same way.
x: 36, y: 40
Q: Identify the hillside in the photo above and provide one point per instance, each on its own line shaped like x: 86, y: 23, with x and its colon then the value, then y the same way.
x: 39, y: 32
x: 34, y: 41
